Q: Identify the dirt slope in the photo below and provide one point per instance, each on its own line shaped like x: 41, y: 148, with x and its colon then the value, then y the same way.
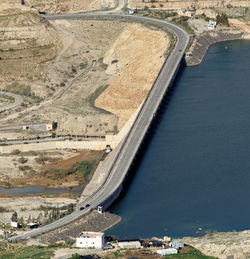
x: 59, y: 6
x: 27, y: 41
x: 137, y: 56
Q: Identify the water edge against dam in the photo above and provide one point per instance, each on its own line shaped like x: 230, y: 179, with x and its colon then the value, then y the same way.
x: 195, y: 172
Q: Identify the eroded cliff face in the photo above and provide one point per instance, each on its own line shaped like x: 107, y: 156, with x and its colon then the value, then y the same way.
x: 27, y: 42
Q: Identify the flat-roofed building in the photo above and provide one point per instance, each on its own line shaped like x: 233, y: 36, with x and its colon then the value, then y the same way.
x: 90, y: 239
x: 129, y: 244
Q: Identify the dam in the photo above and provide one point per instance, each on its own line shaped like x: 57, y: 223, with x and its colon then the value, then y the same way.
x: 126, y: 151
x: 194, y: 176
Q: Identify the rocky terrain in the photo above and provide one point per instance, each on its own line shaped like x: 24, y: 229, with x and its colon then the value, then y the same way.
x: 93, y: 221
x: 29, y: 207
x: 178, y: 4
x: 27, y: 43
x: 204, y: 40
x: 59, y: 6
x: 85, y: 67
x: 224, y: 245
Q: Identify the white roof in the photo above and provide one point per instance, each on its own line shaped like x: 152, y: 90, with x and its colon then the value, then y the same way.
x: 89, y: 234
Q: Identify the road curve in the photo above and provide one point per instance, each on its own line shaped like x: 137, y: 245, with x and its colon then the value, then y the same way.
x: 18, y: 99
x: 129, y: 148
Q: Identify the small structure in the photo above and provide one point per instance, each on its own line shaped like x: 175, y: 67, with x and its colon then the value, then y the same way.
x: 145, y: 244
x: 167, y: 251
x: 176, y: 245
x: 167, y: 239
x: 211, y: 24
x: 14, y: 224
x: 108, y: 149
x: 155, y: 243
x: 99, y: 209
x: 131, y: 11
x: 90, y: 239
x: 128, y: 244
x: 26, y: 127
x: 49, y: 126
x: 188, y: 13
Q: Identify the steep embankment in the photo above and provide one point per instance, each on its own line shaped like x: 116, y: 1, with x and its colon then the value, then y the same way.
x: 137, y: 56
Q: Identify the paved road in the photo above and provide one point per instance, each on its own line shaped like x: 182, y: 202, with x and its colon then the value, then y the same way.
x: 120, y: 165
x: 18, y: 101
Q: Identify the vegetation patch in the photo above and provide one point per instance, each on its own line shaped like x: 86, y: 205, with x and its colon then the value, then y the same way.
x: 193, y: 254
x: 29, y: 252
x: 79, y: 169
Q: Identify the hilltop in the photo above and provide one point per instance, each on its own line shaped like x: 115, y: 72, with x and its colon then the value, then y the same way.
x: 58, y: 6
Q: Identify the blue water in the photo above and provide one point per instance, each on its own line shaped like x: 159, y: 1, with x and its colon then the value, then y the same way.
x: 195, y: 172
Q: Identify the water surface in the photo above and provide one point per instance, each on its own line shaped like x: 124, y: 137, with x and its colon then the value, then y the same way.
x: 195, y: 172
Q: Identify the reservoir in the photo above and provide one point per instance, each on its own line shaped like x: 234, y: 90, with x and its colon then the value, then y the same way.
x: 195, y: 172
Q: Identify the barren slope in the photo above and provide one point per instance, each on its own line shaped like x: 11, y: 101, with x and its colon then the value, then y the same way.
x: 60, y: 6
x: 183, y: 4
x: 26, y: 43
x: 90, y: 62
x: 223, y: 245
x: 137, y: 56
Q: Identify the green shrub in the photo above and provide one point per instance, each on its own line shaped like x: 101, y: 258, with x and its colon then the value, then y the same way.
x: 15, y: 152
x: 222, y: 19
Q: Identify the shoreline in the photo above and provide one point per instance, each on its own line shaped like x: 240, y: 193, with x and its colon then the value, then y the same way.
x: 203, y: 41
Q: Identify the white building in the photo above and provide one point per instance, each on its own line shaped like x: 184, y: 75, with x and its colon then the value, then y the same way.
x: 131, y: 11
x: 14, y: 224
x: 90, y: 239
x: 211, y: 24
x: 167, y: 251
x: 129, y: 244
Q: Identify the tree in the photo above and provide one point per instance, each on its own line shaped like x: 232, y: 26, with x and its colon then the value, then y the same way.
x: 70, y: 208
x: 14, y: 217
x: 222, y: 19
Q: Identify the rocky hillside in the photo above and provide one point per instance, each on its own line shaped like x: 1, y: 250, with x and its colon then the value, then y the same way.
x: 27, y: 42
x: 183, y: 4
x: 223, y: 245
x: 59, y: 6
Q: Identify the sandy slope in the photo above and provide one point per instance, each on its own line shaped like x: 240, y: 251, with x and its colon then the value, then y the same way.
x: 137, y: 56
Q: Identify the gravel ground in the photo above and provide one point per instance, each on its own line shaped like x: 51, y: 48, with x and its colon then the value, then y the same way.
x: 92, y: 222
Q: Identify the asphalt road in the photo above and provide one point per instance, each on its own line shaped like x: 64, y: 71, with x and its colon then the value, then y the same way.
x: 120, y: 165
